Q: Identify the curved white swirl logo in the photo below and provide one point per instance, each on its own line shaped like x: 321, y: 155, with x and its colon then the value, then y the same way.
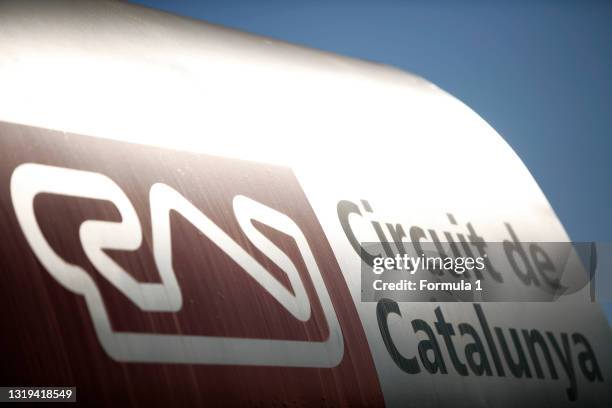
x: 30, y: 179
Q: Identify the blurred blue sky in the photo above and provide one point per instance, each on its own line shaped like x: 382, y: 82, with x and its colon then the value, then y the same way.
x: 540, y: 72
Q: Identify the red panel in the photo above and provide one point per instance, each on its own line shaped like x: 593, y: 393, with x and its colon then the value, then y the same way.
x: 48, y: 336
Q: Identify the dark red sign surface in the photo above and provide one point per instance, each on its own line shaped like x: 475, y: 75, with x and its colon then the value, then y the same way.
x: 48, y: 337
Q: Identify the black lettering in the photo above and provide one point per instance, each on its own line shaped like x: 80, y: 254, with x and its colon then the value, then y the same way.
x: 345, y: 209
x: 447, y: 332
x: 532, y: 338
x: 565, y: 356
x: 383, y: 309
x: 489, y: 338
x: 513, y: 248
x: 429, y: 344
x: 594, y: 373
x: 480, y: 365
x: 520, y: 367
